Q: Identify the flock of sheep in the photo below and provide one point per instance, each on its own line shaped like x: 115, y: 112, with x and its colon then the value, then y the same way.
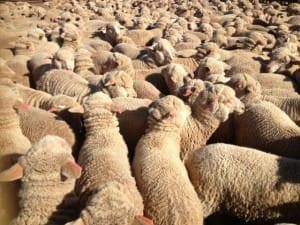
x: 149, y: 112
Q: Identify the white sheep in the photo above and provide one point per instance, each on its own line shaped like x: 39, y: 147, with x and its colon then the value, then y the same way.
x: 245, y: 182
x: 47, y: 172
x: 12, y: 143
x: 158, y: 168
x: 104, y: 148
x: 268, y: 129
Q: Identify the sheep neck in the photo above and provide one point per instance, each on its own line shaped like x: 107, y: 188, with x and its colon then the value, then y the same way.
x: 99, y: 120
x: 197, y: 130
x: 57, y: 202
x: 164, y: 125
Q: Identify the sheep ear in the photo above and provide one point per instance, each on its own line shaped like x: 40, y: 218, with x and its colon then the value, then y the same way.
x: 155, y: 113
x: 108, y: 82
x: 172, y: 115
x: 71, y: 169
x: 76, y: 109
x: 76, y: 222
x: 15, y: 172
x: 142, y: 220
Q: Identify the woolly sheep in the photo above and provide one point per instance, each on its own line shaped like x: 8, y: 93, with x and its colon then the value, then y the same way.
x: 212, y: 106
x: 175, y: 76
x: 105, y: 149
x: 64, y: 59
x: 12, y: 143
x: 47, y: 172
x: 37, y: 123
x: 268, y: 129
x: 157, y: 154
x: 269, y: 194
x: 38, y: 65
x: 145, y: 89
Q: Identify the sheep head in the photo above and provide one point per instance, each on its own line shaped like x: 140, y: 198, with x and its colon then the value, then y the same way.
x: 175, y: 76
x: 217, y: 101
x: 118, y: 61
x: 98, y: 102
x: 191, y: 89
x: 118, y: 83
x: 60, y: 103
x: 113, y: 31
x: 212, y: 70
x: 49, y: 155
x: 163, y: 52
x: 168, y: 110
x: 246, y: 87
x: 64, y: 59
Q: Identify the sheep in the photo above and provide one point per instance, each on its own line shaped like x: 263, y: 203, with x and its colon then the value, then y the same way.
x: 42, y: 99
x: 174, y: 76
x: 268, y: 129
x: 64, y: 59
x: 47, y: 172
x: 212, y: 70
x: 84, y: 65
x: 127, y: 49
x: 212, y: 106
x: 134, y: 109
x: 249, y: 90
x: 145, y: 89
x: 12, y: 143
x: 218, y: 173
x: 157, y: 154
x: 37, y: 123
x: 105, y: 148
x: 38, y: 65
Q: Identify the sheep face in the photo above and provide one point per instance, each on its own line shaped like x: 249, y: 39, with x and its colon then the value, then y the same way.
x: 118, y: 61
x: 175, y: 76
x: 51, y: 156
x: 163, y: 52
x: 118, y: 84
x: 219, y: 101
x: 63, y: 102
x: 168, y: 109
x: 245, y: 86
x: 191, y: 89
x: 64, y: 59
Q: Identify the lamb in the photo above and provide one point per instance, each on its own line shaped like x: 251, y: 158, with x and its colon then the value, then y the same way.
x: 157, y: 154
x: 37, y: 123
x: 12, y: 143
x: 218, y: 174
x: 212, y: 106
x: 105, y: 149
x: 47, y: 172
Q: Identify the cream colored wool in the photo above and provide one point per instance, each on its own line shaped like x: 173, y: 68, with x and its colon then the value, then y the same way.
x: 104, y: 148
x: 37, y: 123
x: 158, y: 168
x: 268, y: 129
x: 270, y: 192
x: 44, y: 181
x: 212, y: 106
x: 12, y: 144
